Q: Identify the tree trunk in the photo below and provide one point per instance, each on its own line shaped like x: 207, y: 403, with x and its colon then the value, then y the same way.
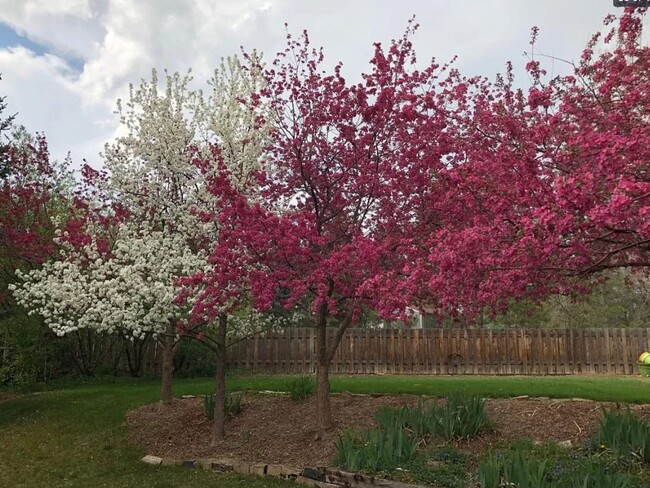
x: 219, y: 425
x: 323, y: 408
x: 324, y: 356
x: 167, y: 365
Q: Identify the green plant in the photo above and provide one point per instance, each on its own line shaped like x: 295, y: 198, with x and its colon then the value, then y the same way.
x: 442, y: 467
x: 301, y: 387
x: 232, y: 405
x: 513, y: 469
x: 462, y: 416
x: 489, y: 472
x: 208, y: 405
x: 598, y: 477
x: 549, y: 465
x: 374, y: 450
x: 624, y: 436
x: 415, y: 419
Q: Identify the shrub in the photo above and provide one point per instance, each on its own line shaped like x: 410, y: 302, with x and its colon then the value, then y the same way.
x: 30, y: 353
x: 301, y: 388
x: 624, y: 436
x: 232, y: 406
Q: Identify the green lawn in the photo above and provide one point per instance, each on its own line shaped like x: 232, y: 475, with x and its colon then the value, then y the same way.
x: 76, y: 436
x: 602, y: 388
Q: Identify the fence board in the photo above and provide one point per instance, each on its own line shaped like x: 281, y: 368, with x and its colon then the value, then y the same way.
x: 449, y: 351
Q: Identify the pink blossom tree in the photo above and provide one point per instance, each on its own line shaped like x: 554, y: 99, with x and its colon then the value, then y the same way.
x: 546, y: 186
x: 342, y: 187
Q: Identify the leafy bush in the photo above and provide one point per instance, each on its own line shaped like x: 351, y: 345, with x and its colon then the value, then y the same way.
x: 301, y: 388
x: 232, y: 405
x: 624, y: 436
x: 31, y: 354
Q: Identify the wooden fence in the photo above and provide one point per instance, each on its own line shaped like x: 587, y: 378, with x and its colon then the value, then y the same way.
x: 450, y: 351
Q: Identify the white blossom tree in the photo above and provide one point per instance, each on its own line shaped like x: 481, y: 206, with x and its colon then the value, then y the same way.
x: 133, y: 287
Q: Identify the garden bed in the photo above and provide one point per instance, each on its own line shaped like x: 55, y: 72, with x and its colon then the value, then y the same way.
x: 274, y: 429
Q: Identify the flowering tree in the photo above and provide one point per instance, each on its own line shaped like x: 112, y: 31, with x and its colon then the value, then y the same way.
x: 145, y: 224
x: 228, y: 120
x: 134, y: 232
x: 233, y: 132
x: 549, y: 186
x: 131, y: 284
x: 345, y: 176
x: 33, y: 194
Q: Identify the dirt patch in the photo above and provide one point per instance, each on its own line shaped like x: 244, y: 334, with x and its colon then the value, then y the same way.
x: 274, y: 429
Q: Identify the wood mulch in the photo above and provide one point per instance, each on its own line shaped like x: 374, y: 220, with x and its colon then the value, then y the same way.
x: 273, y: 429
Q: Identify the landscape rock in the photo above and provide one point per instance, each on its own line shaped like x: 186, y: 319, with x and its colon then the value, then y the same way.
x: 154, y: 460
x: 313, y: 473
x: 258, y: 469
x: 241, y: 468
x: 274, y: 470
x: 311, y: 482
x: 171, y: 462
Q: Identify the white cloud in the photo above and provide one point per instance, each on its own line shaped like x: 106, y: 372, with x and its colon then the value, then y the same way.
x: 120, y: 41
x: 45, y: 93
x: 68, y: 27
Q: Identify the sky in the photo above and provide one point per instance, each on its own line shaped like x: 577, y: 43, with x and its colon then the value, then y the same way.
x: 64, y: 63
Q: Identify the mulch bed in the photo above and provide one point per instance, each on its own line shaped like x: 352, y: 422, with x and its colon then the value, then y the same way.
x: 273, y: 429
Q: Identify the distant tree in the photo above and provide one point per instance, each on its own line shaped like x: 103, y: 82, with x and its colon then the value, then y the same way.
x: 5, y: 124
x: 621, y: 298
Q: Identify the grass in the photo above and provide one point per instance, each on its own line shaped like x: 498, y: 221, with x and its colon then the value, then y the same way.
x: 76, y: 436
x: 600, y: 388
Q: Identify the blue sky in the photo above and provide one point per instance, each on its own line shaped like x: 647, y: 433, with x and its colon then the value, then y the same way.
x: 65, y: 62
x: 11, y: 38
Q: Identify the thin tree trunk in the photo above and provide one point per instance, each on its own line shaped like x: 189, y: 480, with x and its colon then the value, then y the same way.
x: 219, y: 425
x: 323, y: 407
x: 167, y: 365
x: 324, y: 356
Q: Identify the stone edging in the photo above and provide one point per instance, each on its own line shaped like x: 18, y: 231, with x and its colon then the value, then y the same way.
x: 318, y: 477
